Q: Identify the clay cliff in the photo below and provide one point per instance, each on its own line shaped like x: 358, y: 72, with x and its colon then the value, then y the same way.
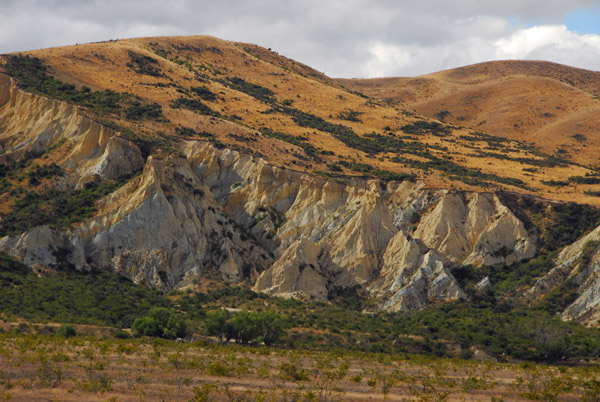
x: 287, y: 232
x: 175, y: 210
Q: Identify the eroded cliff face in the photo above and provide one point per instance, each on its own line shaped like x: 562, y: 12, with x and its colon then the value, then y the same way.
x: 578, y: 263
x: 219, y: 213
x: 396, y: 240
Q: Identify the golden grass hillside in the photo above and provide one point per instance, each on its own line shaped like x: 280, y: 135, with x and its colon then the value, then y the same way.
x: 245, y: 97
x: 553, y: 106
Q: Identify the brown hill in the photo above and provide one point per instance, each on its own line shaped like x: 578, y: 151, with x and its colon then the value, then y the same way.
x: 174, y: 160
x: 553, y: 106
x: 248, y: 98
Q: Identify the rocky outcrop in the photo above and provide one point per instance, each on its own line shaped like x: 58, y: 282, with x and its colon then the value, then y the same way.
x: 91, y: 151
x: 296, y: 274
x: 325, y: 235
x: 413, y: 275
x: 235, y: 217
x: 579, y: 263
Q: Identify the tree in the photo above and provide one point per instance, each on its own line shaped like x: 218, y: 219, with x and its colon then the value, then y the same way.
x: 162, y: 322
x: 245, y: 328
x: 270, y: 326
x: 217, y: 324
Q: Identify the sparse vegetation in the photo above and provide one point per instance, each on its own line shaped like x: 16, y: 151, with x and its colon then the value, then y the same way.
x: 190, y: 132
x: 350, y: 115
x: 143, y: 64
x: 301, y: 142
x: 256, y: 91
x: 194, y: 105
x: 585, y: 179
x: 139, y: 111
x: 54, y: 207
x: 204, y: 93
x: 422, y: 127
x: 32, y: 75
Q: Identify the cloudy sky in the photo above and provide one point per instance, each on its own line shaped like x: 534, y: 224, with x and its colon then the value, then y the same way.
x: 342, y: 38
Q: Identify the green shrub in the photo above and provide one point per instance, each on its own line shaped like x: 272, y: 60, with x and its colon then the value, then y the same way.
x: 585, y: 179
x: 161, y: 322
x: 54, y: 207
x: 555, y: 183
x: 244, y: 326
x: 270, y: 326
x: 66, y: 331
x: 42, y: 172
x: 139, y: 111
x: 423, y: 127
x: 204, y: 93
x: 217, y: 324
x: 256, y: 91
x: 143, y: 64
x: 97, y: 298
x: 31, y: 74
x: 194, y: 105
x: 570, y: 222
x: 350, y: 115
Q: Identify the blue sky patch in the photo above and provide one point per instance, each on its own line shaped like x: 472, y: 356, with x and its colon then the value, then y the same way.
x: 584, y: 21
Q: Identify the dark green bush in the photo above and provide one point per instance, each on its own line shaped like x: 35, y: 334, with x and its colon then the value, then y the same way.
x: 38, y: 173
x: 99, y: 298
x: 204, y: 93
x: 54, y: 207
x: 32, y: 75
x: 194, y: 105
x: 585, y: 179
x: 161, y: 322
x: 423, y: 127
x: 350, y: 115
x: 570, y: 222
x: 66, y: 331
x: 256, y: 91
x: 139, y: 111
x: 244, y: 326
x: 143, y: 64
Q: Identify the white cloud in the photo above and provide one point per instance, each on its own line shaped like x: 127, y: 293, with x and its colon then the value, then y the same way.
x: 554, y: 42
x: 546, y: 42
x: 348, y: 38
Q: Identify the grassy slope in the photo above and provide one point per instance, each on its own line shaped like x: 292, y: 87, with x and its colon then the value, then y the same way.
x: 539, y: 102
x: 230, y: 92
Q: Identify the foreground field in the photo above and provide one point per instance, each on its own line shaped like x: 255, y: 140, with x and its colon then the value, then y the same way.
x: 38, y: 367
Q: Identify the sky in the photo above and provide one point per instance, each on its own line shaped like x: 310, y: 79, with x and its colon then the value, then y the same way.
x: 342, y: 38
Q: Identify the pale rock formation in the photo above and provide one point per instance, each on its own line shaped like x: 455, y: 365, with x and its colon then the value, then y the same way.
x: 413, y: 275
x: 569, y: 265
x: 241, y: 219
x: 296, y: 274
x: 476, y: 231
x: 120, y: 158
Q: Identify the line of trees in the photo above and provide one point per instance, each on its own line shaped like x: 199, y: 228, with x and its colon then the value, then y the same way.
x: 243, y: 327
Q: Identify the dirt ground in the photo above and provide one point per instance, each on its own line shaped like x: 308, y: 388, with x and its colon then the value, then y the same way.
x: 51, y: 368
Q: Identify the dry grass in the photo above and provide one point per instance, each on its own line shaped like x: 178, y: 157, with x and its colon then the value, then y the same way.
x: 47, y: 367
x: 507, y: 99
x: 537, y: 102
